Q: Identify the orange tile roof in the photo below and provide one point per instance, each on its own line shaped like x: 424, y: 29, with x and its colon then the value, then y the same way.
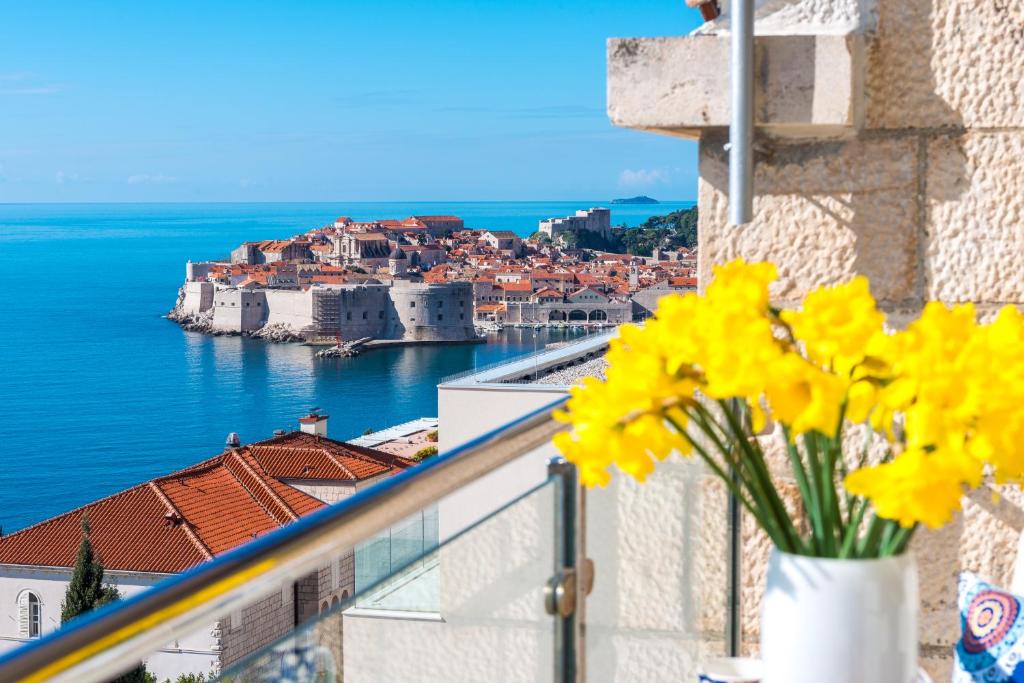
x: 175, y: 522
x: 516, y: 286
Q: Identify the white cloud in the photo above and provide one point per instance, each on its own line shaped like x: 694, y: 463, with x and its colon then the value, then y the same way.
x: 62, y: 177
x: 21, y: 83
x: 643, y: 177
x: 147, y: 179
x: 32, y: 90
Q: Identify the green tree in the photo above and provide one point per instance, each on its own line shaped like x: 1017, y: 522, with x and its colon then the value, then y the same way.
x: 424, y: 453
x: 86, y: 592
x: 86, y: 589
x: 671, y: 231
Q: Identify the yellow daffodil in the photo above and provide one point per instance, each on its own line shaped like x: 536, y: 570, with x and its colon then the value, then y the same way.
x: 946, y: 394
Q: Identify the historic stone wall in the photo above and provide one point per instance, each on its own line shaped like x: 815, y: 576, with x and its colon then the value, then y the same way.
x: 927, y: 199
x: 290, y: 307
x: 429, y: 312
x: 198, y: 297
x: 403, y: 310
x: 239, y: 310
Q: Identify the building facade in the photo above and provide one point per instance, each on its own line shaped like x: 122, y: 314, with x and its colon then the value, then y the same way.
x: 597, y: 220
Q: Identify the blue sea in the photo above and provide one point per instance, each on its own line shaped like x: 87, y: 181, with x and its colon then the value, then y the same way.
x: 99, y: 392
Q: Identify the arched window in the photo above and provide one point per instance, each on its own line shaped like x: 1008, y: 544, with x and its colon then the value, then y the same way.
x: 30, y: 615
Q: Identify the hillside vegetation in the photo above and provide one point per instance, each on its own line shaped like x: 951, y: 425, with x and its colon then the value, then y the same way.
x: 671, y: 231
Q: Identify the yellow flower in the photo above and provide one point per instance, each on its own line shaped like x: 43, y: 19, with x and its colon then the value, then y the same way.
x: 915, y: 487
x: 835, y: 324
x: 804, y: 397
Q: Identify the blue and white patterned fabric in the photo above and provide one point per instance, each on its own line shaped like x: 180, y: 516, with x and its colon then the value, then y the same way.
x: 991, y: 647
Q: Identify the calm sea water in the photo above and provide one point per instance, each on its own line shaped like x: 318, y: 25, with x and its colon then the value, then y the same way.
x: 98, y: 392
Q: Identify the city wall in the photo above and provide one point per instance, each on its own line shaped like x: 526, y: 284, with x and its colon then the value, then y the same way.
x: 407, y: 311
x: 429, y: 312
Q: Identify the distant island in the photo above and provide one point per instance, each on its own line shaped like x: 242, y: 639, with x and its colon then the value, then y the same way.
x: 639, y: 199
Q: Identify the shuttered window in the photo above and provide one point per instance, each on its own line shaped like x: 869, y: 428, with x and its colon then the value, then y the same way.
x: 29, y: 615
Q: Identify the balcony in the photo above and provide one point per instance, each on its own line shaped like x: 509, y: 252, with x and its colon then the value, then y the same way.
x: 488, y: 562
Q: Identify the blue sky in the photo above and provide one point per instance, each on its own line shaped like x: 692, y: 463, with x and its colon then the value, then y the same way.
x: 305, y: 101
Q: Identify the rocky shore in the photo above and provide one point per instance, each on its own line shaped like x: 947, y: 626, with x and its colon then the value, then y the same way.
x: 277, y: 332
x: 200, y: 322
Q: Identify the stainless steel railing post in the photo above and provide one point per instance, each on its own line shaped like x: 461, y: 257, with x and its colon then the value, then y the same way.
x: 566, y: 589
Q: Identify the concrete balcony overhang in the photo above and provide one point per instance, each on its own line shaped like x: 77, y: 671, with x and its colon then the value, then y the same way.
x: 806, y: 86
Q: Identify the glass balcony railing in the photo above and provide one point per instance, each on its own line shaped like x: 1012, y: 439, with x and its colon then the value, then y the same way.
x: 474, y: 566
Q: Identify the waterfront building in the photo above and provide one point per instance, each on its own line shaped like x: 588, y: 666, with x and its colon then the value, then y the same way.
x: 440, y: 225
x: 173, y: 523
x: 597, y: 220
x: 269, y: 251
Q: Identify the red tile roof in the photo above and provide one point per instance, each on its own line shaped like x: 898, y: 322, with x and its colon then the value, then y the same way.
x: 175, y: 522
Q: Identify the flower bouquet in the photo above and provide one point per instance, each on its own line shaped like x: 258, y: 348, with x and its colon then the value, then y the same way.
x: 882, y: 431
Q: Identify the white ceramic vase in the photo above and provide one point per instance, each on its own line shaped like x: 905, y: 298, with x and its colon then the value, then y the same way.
x: 841, y: 621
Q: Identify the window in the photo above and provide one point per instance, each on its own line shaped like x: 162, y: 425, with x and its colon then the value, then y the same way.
x: 440, y: 304
x: 462, y: 316
x: 348, y: 315
x: 30, y: 615
x: 412, y: 304
x: 380, y: 315
x: 365, y: 314
x: 462, y: 303
x: 440, y: 317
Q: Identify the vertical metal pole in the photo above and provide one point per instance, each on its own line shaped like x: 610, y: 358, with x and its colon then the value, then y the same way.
x: 741, y: 129
x: 734, y: 632
x: 563, y: 590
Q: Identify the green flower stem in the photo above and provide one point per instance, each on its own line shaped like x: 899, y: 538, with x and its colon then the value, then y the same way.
x: 850, y: 538
x: 834, y: 453
x: 818, y: 501
x: 887, y: 536
x: 868, y: 546
x: 700, y: 417
x: 755, y: 460
x: 902, y: 539
x: 730, y: 484
x: 799, y: 471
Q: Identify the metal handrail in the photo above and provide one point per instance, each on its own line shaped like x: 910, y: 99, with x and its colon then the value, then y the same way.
x: 113, y: 639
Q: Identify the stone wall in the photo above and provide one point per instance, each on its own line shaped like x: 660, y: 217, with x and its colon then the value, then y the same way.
x: 197, y: 297
x: 429, y: 312
x: 291, y: 308
x: 927, y: 200
x: 239, y: 310
x: 264, y: 621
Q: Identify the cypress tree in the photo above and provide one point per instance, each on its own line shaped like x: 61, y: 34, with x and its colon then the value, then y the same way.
x: 86, y: 592
x: 86, y: 587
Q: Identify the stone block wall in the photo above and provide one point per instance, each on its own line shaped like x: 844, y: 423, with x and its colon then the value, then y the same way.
x: 926, y: 199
